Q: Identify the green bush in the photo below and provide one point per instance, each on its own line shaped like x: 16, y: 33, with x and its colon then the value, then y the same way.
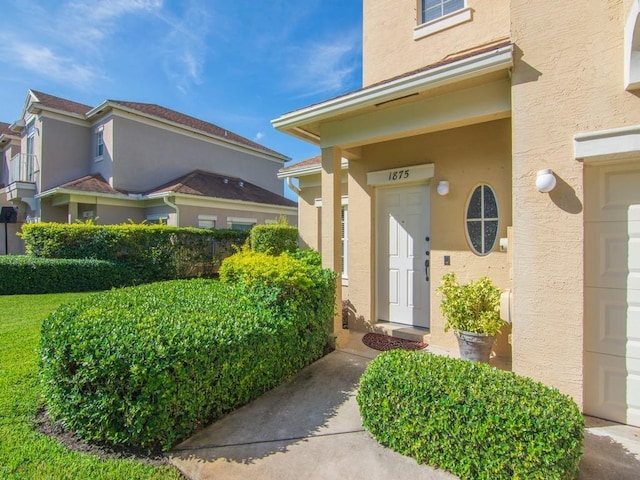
x: 470, y: 419
x: 20, y: 274
x: 274, y: 238
x: 147, y: 366
x: 151, y: 252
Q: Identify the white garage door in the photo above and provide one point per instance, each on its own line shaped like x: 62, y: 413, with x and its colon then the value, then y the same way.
x: 612, y: 292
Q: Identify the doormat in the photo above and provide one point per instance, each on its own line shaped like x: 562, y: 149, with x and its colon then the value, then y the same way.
x: 379, y: 341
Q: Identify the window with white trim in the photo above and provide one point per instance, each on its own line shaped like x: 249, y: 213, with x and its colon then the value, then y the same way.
x: 434, y: 9
x: 207, y: 221
x: 99, y: 153
x: 482, y: 219
x: 241, y: 223
x: 158, y: 218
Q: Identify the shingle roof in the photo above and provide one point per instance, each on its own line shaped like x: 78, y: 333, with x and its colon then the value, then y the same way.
x: 317, y: 160
x: 61, y: 103
x: 208, y: 184
x: 91, y: 183
x: 5, y: 130
x: 164, y: 113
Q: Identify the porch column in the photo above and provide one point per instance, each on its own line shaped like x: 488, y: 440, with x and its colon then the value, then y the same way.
x: 331, y: 248
x: 72, y: 212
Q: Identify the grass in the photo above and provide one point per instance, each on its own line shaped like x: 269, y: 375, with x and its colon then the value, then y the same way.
x: 24, y: 452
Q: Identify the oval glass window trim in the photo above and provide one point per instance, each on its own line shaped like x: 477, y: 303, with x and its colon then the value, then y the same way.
x: 486, y: 246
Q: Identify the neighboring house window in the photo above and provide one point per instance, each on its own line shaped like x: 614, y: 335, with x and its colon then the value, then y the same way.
x: 207, y: 221
x: 434, y: 9
x: 28, y: 167
x: 99, y: 144
x: 344, y: 224
x: 158, y: 218
x: 482, y: 219
x: 240, y: 223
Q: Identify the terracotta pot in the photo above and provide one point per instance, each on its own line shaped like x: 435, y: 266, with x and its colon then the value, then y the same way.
x: 475, y: 346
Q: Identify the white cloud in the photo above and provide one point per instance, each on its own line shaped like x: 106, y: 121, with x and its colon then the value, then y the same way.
x: 44, y: 62
x: 259, y: 136
x: 325, y: 67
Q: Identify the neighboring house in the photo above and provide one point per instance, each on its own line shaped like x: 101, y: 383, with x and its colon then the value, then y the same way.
x: 122, y: 161
x: 497, y: 138
x: 9, y: 147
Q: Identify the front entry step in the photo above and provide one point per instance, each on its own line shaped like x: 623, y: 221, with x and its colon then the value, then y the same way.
x: 399, y: 330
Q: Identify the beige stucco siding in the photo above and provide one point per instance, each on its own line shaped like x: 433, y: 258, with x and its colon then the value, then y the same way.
x: 145, y: 157
x: 568, y: 79
x: 466, y: 157
x: 189, y: 216
x: 388, y: 29
x: 67, y: 149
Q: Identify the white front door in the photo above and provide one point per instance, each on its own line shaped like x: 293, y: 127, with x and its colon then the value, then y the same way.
x: 402, y: 258
x: 612, y: 293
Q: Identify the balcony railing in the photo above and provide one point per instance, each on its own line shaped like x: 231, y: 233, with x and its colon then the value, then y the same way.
x: 23, y: 167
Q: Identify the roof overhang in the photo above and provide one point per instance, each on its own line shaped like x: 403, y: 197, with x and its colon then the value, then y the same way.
x: 305, y: 170
x: 304, y: 123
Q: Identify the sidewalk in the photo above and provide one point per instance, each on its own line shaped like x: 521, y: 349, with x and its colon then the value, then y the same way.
x: 310, y: 428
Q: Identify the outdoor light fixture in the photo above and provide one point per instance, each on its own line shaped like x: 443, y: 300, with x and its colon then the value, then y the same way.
x: 443, y: 187
x: 545, y: 181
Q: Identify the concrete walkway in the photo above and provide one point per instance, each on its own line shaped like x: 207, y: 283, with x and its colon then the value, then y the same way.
x: 310, y: 428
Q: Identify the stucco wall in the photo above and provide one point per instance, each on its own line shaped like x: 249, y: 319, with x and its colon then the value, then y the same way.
x: 65, y: 152
x: 466, y: 157
x: 309, y: 216
x: 567, y: 78
x: 145, y: 157
x: 189, y: 216
x: 388, y: 29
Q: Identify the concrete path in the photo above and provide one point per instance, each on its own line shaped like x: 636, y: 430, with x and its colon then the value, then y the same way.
x: 310, y: 429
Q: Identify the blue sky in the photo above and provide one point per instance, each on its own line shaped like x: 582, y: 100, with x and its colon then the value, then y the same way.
x: 236, y: 63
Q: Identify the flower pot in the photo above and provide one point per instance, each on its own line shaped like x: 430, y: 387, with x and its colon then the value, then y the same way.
x: 475, y: 346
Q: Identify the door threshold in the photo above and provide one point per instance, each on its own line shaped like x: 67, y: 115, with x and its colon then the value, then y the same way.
x: 400, y: 330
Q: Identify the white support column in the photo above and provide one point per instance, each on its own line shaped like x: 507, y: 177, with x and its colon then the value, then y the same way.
x: 331, y: 248
x: 72, y: 212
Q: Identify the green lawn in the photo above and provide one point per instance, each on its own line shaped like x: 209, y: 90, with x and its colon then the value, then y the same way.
x: 25, y: 453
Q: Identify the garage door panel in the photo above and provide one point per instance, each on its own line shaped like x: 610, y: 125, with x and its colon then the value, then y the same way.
x: 607, y: 263
x: 617, y: 188
x: 613, y: 389
x: 612, y: 321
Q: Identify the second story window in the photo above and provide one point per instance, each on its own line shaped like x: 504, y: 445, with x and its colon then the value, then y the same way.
x: 434, y: 9
x: 99, y: 144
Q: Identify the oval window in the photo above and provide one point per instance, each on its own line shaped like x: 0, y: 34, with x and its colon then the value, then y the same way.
x: 482, y: 219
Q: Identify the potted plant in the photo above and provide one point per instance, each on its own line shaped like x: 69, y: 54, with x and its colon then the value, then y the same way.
x: 473, y: 312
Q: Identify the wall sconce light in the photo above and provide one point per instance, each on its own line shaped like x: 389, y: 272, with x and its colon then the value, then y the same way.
x: 545, y: 181
x: 442, y: 188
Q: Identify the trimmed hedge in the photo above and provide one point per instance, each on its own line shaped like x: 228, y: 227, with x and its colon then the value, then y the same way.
x: 21, y: 274
x: 147, y: 366
x: 151, y: 252
x: 274, y: 238
x: 470, y: 419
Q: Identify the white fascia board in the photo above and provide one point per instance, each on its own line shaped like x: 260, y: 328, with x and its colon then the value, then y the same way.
x: 488, y: 62
x: 68, y: 191
x: 211, y: 202
x: 606, y: 145
x: 309, y: 170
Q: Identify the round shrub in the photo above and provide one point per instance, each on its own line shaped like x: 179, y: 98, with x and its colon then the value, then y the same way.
x: 470, y: 419
x: 147, y: 366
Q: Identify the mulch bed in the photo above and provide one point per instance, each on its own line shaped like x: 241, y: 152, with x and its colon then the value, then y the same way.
x: 379, y: 341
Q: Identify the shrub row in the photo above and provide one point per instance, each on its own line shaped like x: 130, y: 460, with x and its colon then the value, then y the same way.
x: 20, y: 274
x: 147, y: 366
x: 274, y: 238
x: 470, y: 419
x: 151, y: 252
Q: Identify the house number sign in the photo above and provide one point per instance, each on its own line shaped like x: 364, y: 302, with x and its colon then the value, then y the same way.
x: 411, y: 174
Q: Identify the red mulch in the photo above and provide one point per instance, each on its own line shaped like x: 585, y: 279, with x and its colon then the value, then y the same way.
x: 379, y: 341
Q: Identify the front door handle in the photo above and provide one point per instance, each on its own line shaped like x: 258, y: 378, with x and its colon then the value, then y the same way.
x: 426, y: 269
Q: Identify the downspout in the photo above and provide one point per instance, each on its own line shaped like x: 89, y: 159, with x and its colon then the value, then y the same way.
x: 174, y: 206
x: 290, y: 184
